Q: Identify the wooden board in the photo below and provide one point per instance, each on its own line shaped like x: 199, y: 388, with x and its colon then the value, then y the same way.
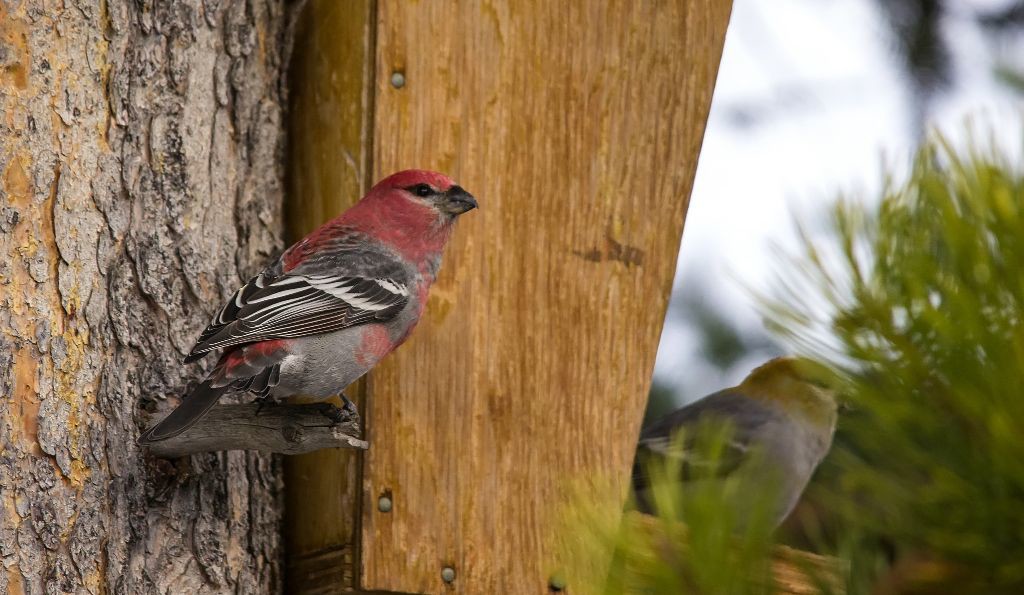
x: 328, y: 170
x: 577, y: 125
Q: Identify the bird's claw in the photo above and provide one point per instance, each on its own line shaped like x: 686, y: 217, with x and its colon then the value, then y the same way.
x: 347, y: 412
x: 349, y: 407
x: 262, y: 402
x: 333, y: 413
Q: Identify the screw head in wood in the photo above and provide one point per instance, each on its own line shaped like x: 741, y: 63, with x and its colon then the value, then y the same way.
x: 397, y: 79
x: 448, y: 574
x: 556, y: 584
x: 384, y: 504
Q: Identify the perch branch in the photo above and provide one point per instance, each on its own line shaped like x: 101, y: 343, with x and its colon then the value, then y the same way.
x: 284, y: 428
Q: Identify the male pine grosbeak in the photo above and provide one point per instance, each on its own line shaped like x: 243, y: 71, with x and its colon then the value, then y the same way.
x: 333, y: 304
x: 784, y: 411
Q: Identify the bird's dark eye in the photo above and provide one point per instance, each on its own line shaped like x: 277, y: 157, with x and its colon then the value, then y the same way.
x: 423, y: 190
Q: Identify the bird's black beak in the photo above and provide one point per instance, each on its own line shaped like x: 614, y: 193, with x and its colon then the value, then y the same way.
x: 457, y: 201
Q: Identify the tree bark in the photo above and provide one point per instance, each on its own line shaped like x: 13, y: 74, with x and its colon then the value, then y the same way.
x: 141, y: 151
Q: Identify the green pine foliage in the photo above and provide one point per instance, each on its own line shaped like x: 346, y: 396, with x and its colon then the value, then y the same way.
x: 714, y: 537
x: 925, y: 297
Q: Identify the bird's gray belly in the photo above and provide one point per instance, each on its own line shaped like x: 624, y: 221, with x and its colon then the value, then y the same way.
x: 796, y: 455
x: 323, y: 366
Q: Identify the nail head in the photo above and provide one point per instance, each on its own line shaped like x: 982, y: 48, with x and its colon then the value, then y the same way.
x: 384, y: 504
x: 556, y: 584
x: 448, y: 574
x: 397, y: 79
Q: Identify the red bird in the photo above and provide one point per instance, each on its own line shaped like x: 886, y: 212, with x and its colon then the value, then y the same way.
x: 334, y: 304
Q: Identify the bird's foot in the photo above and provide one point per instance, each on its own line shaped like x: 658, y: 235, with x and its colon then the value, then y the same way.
x: 346, y: 414
x: 349, y: 407
x: 348, y: 411
x: 333, y: 413
x: 262, y: 402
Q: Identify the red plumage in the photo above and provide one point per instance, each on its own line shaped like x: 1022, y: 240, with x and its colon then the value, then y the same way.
x: 334, y: 303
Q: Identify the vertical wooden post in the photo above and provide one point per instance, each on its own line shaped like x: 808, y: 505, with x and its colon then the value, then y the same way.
x: 329, y: 151
x: 577, y: 125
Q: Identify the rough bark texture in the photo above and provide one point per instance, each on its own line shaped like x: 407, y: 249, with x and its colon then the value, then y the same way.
x: 140, y: 180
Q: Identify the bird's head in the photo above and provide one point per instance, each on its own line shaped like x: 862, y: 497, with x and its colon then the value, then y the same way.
x: 428, y: 192
x: 799, y: 385
x: 412, y: 211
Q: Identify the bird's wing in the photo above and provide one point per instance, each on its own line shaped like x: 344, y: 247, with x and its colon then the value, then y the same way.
x: 658, y: 442
x: 343, y: 289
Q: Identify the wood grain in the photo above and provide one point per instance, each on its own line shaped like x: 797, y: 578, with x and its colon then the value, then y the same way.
x: 577, y: 125
x: 328, y: 168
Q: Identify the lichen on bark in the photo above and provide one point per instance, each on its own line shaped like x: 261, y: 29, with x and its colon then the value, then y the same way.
x: 141, y: 174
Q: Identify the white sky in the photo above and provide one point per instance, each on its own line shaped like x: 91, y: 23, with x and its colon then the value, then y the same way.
x: 809, y: 103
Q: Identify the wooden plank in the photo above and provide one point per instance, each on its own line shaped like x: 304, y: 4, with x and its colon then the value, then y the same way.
x: 577, y: 125
x: 329, y: 152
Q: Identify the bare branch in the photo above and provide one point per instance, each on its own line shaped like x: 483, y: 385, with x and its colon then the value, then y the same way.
x: 287, y: 429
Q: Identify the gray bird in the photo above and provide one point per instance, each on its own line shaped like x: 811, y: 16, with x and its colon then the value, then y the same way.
x: 784, y: 411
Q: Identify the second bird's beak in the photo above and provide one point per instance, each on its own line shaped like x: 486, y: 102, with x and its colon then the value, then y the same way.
x: 457, y: 201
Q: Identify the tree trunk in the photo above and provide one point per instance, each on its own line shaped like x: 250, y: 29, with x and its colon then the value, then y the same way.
x: 141, y: 149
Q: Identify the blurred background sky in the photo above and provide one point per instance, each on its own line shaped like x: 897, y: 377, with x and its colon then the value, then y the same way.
x: 817, y: 99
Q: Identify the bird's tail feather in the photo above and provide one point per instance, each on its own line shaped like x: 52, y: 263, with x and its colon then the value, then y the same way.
x: 185, y: 415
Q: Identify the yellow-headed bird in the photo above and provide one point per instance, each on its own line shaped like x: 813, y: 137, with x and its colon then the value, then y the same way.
x: 784, y: 411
